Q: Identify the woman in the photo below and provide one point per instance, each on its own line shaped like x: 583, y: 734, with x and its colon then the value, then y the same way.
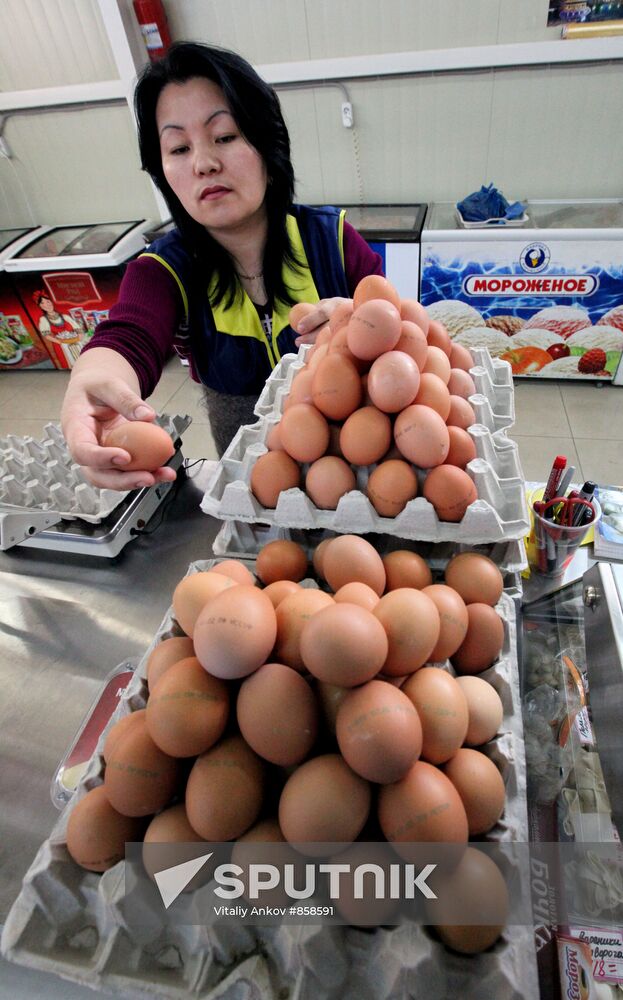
x: 59, y: 330
x: 220, y: 285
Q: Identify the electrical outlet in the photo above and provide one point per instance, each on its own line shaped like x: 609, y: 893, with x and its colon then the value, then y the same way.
x: 347, y: 114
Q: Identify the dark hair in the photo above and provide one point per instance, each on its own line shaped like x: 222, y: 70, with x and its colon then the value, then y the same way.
x: 257, y: 112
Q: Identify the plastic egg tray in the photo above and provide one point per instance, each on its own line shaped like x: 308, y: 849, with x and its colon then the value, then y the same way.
x: 499, y: 513
x: 69, y: 921
x: 493, y: 402
x: 41, y: 475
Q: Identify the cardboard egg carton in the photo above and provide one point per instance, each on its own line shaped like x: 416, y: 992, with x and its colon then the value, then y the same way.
x: 41, y: 475
x: 493, y: 401
x: 69, y: 921
x: 499, y: 513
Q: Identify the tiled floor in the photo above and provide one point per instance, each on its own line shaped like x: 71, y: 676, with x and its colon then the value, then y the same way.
x: 583, y: 422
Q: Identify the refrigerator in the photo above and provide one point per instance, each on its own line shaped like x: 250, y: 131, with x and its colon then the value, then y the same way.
x: 393, y: 231
x: 545, y: 295
x: 68, y: 277
x: 20, y: 344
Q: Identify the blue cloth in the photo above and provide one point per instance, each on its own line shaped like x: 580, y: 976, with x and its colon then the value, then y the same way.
x: 489, y: 203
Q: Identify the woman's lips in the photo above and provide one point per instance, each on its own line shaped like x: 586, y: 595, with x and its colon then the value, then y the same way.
x: 213, y: 194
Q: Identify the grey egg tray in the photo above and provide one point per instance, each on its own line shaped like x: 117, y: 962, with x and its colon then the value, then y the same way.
x: 68, y: 921
x: 500, y: 512
x: 41, y: 475
x: 493, y: 401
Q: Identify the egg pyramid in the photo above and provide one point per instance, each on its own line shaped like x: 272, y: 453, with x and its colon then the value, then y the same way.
x: 353, y: 709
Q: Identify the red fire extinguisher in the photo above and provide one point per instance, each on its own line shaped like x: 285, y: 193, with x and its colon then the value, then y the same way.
x: 152, y: 20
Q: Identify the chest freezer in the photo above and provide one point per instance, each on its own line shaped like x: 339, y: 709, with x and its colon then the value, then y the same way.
x: 68, y: 277
x: 21, y: 347
x: 547, y: 295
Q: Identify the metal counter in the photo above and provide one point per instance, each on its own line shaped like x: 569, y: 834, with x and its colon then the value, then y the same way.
x: 66, y: 622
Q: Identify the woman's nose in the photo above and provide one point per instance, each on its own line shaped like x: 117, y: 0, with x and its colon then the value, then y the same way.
x: 205, y: 160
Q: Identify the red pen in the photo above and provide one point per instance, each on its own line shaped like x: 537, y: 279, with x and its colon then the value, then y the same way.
x: 551, y: 487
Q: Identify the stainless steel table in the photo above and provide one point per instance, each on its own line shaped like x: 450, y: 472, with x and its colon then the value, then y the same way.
x: 65, y: 623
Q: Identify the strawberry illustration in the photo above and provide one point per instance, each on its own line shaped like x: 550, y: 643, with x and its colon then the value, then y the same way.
x: 592, y: 362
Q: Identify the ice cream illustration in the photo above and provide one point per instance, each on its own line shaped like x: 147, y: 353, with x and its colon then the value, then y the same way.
x: 455, y: 315
x: 535, y: 338
x: 483, y: 336
x: 608, y: 338
x: 614, y: 317
x: 563, y: 320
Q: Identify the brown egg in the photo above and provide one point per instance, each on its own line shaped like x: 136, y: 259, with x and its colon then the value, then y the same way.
x: 438, y: 363
x: 298, y: 311
x: 434, y: 392
x: 318, y: 556
x: 406, y: 569
x: 304, y: 432
x: 235, y: 632
x: 414, y: 312
x: 235, y: 570
x: 193, y: 593
x: 393, y: 381
x: 412, y: 341
x: 255, y: 847
x: 471, y: 908
x: 442, y: 708
x: 140, y: 779
x: 475, y: 577
x: 340, y: 316
x: 365, y: 436
x: 422, y: 436
x: 411, y: 621
x: 166, y: 653
x: 300, y: 389
x: 390, y: 487
x: 343, y: 644
x: 373, y: 329
x: 357, y: 593
x: 485, y: 710
x: 323, y: 802
x: 336, y: 388
x: 316, y: 354
x: 483, y: 642
x: 350, y: 559
x: 358, y: 902
x: 462, y: 448
x: 339, y: 345
x: 460, y: 357
x: 481, y: 787
x: 461, y: 383
x: 330, y: 697
x: 225, y: 790
x: 328, y: 479
x: 281, y: 560
x: 424, y: 806
x: 279, y: 590
x: 149, y: 445
x: 97, y: 833
x: 187, y: 710
x: 375, y: 286
x: 273, y: 473
x: 378, y: 732
x: 273, y: 438
x: 163, y: 844
x: 450, y: 490
x: 277, y: 714
x: 438, y: 336
x: 452, y: 616
x: 461, y: 413
x: 119, y: 728
x: 292, y: 615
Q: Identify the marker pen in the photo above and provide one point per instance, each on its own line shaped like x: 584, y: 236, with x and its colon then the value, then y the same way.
x: 582, y: 513
x: 551, y: 487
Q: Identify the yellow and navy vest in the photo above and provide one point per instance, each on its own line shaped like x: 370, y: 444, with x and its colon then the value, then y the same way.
x: 230, y: 349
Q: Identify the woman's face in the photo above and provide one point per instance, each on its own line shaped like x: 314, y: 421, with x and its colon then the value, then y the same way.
x: 46, y: 304
x: 218, y: 177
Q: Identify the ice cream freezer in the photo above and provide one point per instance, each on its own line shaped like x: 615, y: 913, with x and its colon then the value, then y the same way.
x: 546, y: 295
x: 394, y: 232
x: 67, y: 278
x: 20, y: 343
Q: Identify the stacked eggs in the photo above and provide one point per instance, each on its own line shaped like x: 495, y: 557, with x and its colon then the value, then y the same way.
x: 383, y: 388
x: 313, y: 715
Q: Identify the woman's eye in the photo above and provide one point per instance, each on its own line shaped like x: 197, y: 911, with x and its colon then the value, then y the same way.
x: 226, y: 138
x: 178, y: 150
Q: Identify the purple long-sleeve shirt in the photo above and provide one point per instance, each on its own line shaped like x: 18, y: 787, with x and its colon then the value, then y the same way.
x: 143, y: 323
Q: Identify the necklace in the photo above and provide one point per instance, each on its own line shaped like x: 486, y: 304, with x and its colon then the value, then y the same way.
x: 250, y: 277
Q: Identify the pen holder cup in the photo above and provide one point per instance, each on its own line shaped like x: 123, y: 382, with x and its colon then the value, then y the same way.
x: 554, y: 545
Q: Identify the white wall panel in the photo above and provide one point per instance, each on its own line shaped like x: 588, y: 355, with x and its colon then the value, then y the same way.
x: 73, y: 167
x: 525, y: 22
x: 46, y: 43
